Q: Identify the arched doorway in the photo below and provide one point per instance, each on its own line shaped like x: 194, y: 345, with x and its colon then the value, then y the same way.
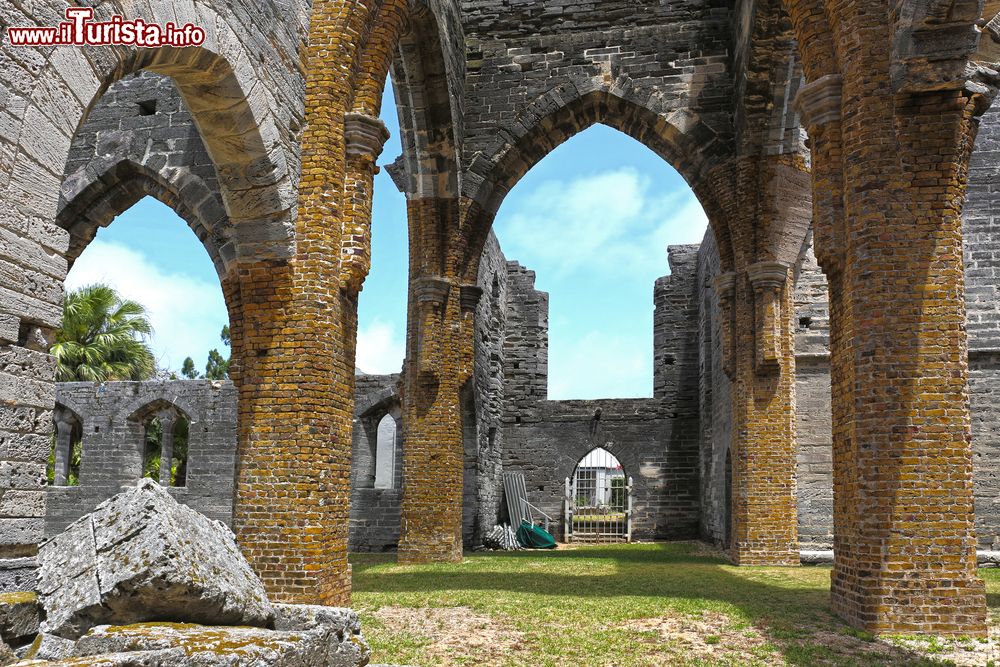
x: 598, y: 500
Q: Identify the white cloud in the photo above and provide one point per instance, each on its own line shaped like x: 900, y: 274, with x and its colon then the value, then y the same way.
x: 380, y: 349
x: 187, y: 314
x: 609, y: 222
x: 599, y: 365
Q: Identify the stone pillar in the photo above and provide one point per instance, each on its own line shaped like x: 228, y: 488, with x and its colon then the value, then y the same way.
x: 438, y: 361
x: 168, y: 420
x: 295, y: 341
x: 764, y: 511
x: 889, y: 237
x: 364, y: 136
x: 64, y: 446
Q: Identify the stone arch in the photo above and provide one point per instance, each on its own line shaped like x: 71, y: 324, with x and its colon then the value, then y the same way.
x: 94, y: 201
x: 365, y: 467
x: 384, y: 401
x: 137, y: 426
x: 573, y: 456
x: 239, y: 130
x: 681, y: 138
x: 429, y: 164
x: 814, y: 35
x: 600, y: 489
x: 387, y: 435
x: 143, y: 406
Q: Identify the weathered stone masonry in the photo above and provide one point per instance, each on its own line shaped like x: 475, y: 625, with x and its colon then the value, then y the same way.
x: 113, y: 417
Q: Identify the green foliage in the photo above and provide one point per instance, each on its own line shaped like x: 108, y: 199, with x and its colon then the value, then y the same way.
x: 103, y: 338
x: 618, y: 498
x: 187, y: 370
x: 151, y: 460
x: 217, y: 368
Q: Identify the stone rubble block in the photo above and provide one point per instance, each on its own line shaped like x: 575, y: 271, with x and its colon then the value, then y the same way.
x: 19, y: 617
x: 142, y: 556
x: 49, y: 647
x: 316, y: 637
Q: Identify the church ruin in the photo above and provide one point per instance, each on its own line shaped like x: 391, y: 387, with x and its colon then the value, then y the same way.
x: 826, y: 360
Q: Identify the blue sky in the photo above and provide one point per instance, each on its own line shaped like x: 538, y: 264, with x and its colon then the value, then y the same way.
x: 593, y: 220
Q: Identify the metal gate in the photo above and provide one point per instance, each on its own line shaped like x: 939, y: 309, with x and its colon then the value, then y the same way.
x: 598, y: 503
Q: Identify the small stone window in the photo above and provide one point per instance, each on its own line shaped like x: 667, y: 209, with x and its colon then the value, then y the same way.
x: 147, y: 107
x: 385, y: 453
x: 67, y: 449
x: 166, y: 439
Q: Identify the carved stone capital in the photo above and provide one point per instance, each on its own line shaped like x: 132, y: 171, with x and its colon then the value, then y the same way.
x: 982, y: 82
x: 364, y: 135
x: 768, y: 279
x: 64, y: 421
x: 167, y: 417
x: 469, y: 297
x: 768, y: 275
x: 724, y: 284
x: 819, y: 102
x: 431, y: 291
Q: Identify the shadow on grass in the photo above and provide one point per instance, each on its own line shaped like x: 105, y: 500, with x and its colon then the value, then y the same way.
x: 787, y: 613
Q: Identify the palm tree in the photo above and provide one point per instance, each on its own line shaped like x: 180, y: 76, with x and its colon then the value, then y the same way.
x: 103, y: 337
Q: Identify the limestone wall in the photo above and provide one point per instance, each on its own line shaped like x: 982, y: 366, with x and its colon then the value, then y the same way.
x: 113, y: 416
x: 656, y: 440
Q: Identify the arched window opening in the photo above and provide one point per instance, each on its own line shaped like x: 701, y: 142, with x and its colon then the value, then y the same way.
x: 598, y: 499
x: 385, y: 453
x: 165, y: 451
x: 382, y: 303
x: 67, y: 449
x: 150, y: 257
x: 593, y: 220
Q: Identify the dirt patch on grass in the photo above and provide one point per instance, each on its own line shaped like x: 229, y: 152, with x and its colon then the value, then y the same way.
x: 454, y: 635
x: 712, y: 636
x: 716, y: 638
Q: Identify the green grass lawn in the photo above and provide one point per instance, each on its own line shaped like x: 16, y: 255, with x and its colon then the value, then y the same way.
x: 628, y: 604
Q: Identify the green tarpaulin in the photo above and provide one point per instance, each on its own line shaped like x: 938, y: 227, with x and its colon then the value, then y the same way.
x: 533, y: 537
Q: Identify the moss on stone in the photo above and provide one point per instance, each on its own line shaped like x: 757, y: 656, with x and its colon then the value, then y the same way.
x: 19, y: 597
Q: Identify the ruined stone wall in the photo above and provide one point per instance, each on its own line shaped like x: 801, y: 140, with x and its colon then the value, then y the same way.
x: 138, y: 140
x: 669, y: 57
x: 981, y: 230
x: 715, y: 408
x: 113, y: 416
x: 656, y: 440
x: 483, y: 424
x: 812, y: 405
x: 374, y: 511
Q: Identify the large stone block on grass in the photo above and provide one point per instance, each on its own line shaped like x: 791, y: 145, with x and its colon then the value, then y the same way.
x: 142, y: 556
x: 310, y: 637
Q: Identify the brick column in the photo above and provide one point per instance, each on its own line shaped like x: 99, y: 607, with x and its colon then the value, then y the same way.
x: 64, y: 446
x: 168, y: 420
x: 438, y: 362
x: 889, y: 185
x: 764, y: 512
x: 295, y: 340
